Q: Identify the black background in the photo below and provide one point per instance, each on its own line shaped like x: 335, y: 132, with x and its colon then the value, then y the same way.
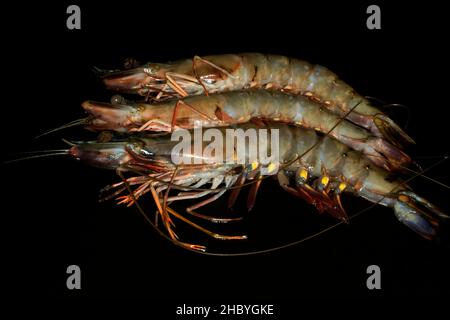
x: 52, y: 215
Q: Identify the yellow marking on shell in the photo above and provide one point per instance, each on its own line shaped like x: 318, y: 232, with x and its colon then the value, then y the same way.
x: 271, y: 167
x: 403, y: 198
x: 342, y: 186
x: 254, y: 165
x: 303, y: 174
x: 324, y: 181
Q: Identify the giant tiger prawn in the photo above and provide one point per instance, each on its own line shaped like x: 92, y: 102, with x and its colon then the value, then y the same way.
x: 331, y: 140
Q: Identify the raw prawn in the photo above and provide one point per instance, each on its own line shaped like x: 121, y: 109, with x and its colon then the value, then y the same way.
x: 230, y: 72
x: 314, y: 167
x: 236, y: 107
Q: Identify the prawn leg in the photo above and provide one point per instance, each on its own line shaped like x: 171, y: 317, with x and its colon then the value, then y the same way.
x: 204, y: 230
x: 174, y: 85
x: 199, y: 194
x: 197, y: 59
x: 191, y: 209
x: 319, y: 199
x: 165, y: 210
x: 251, y: 199
x: 163, y: 126
x: 237, y: 189
x: 173, y: 236
x: 182, y: 103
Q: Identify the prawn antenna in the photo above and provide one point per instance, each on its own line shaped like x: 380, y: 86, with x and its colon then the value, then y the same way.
x: 421, y: 172
x: 74, y: 123
x: 69, y: 142
x: 39, y: 154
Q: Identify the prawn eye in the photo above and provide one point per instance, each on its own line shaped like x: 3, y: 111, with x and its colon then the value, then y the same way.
x: 151, y: 70
x: 117, y: 99
x: 209, y: 80
x: 146, y: 153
